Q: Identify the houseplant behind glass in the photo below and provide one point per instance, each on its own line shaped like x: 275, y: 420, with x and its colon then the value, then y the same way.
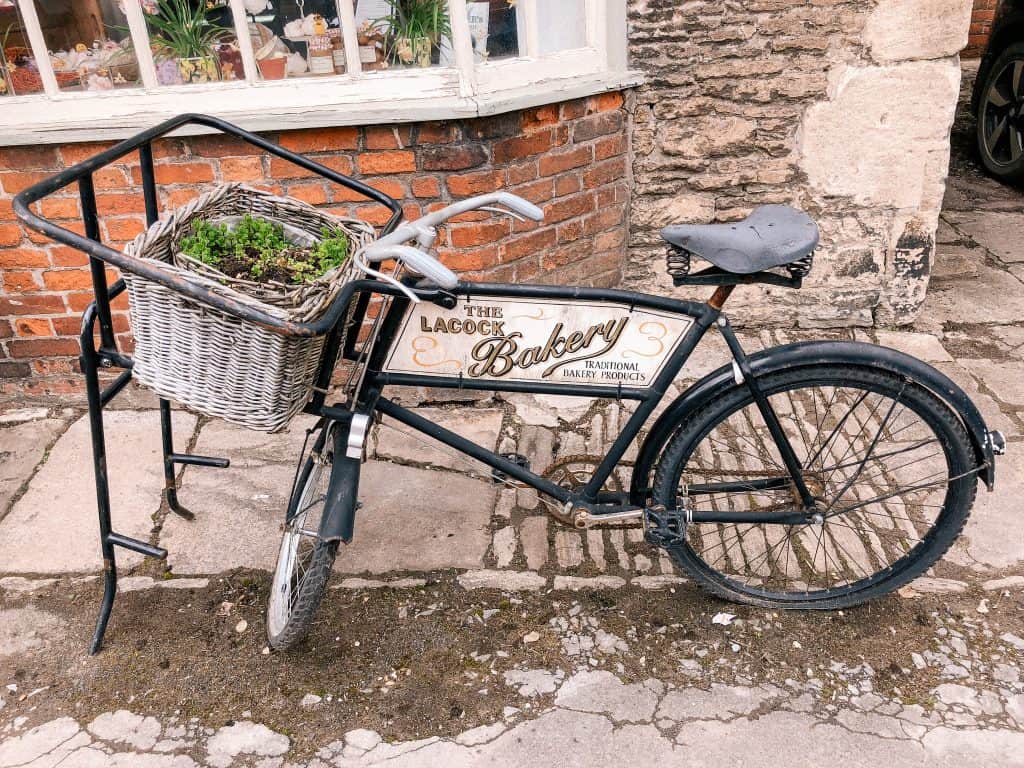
x: 185, y: 34
x: 415, y: 29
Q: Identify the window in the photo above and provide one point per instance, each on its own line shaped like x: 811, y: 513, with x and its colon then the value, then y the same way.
x: 94, y: 69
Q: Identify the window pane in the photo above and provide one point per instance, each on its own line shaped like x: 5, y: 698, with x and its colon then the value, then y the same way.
x: 561, y: 25
x: 404, y: 34
x: 193, y: 41
x: 494, y: 27
x: 90, y: 48
x: 15, y: 54
x: 292, y: 38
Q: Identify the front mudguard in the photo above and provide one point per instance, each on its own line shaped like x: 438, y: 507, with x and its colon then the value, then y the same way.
x: 803, y: 354
x: 338, y: 522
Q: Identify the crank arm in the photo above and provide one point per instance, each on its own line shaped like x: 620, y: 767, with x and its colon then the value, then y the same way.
x: 581, y: 518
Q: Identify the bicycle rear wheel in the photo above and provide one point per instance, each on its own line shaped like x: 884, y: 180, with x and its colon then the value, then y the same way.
x: 304, y: 561
x: 889, y: 464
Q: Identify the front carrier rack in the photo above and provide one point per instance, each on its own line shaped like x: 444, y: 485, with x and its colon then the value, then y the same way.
x: 345, y: 313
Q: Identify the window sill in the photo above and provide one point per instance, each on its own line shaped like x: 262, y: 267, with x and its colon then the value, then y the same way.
x: 286, y: 104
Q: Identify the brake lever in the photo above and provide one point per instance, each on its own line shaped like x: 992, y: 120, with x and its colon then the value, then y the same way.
x: 368, y: 270
x: 494, y: 209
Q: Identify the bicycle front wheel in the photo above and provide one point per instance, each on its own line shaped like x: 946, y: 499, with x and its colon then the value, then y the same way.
x: 889, y: 464
x: 304, y: 561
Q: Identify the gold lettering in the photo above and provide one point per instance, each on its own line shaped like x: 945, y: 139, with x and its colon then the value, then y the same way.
x: 494, y: 355
x: 575, y: 342
x: 549, y: 349
x: 528, y: 357
x: 611, y: 332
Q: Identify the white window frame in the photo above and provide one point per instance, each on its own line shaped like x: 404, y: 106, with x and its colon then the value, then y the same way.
x: 464, y: 90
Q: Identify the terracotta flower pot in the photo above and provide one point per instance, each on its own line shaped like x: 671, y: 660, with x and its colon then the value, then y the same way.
x: 273, y: 68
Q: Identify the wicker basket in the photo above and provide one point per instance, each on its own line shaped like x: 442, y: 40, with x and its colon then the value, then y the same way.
x: 213, y: 362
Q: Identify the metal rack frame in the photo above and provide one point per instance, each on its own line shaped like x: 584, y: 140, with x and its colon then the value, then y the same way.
x: 107, y: 356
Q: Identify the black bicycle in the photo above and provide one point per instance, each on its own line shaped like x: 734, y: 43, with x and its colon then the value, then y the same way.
x: 814, y: 475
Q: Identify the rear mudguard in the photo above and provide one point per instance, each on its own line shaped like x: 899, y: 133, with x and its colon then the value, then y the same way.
x: 340, y: 506
x: 800, y: 355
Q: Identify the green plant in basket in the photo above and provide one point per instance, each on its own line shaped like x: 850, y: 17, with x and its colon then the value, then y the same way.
x: 257, y: 249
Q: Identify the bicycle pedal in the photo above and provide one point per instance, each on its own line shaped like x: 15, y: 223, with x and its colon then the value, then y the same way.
x: 499, y: 477
x: 664, y: 528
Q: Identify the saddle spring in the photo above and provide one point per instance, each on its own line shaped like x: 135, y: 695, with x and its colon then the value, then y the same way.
x: 677, y: 261
x: 799, y: 268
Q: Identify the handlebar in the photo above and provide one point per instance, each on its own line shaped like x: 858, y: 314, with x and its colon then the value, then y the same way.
x: 392, y: 246
x: 416, y: 260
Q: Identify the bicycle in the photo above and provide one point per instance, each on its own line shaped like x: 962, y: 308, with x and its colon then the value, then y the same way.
x: 814, y: 475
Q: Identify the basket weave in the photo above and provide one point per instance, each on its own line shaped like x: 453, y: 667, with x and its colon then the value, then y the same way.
x: 211, y: 361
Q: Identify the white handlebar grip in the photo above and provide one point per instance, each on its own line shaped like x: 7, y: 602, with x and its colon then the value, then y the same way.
x: 416, y: 260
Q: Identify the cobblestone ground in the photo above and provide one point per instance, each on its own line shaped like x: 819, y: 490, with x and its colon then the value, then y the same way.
x: 567, y: 643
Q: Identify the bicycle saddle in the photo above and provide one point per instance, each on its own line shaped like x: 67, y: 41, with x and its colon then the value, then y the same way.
x: 771, y: 236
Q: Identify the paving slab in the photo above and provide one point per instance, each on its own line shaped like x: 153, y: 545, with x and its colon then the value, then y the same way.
x: 996, y: 231
x: 993, y: 537
x: 417, y: 520
x: 956, y: 262
x: 412, y: 519
x: 602, y: 692
x: 1004, y: 377
x: 27, y: 629
x: 989, y: 408
x: 923, y: 346
x: 396, y: 441
x: 22, y: 447
x: 994, y: 296
x: 534, y: 535
x: 53, y: 527
x: 238, y: 510
x: 1012, y: 336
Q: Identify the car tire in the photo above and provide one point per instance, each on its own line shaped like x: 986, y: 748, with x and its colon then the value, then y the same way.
x: 1000, y: 116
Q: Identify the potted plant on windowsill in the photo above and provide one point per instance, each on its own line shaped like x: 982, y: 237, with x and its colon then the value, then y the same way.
x: 415, y: 29
x: 185, y: 34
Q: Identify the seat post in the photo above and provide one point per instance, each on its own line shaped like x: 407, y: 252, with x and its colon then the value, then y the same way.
x: 720, y: 296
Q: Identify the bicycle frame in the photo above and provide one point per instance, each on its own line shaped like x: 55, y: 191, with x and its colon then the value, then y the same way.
x: 699, y: 318
x: 581, y: 507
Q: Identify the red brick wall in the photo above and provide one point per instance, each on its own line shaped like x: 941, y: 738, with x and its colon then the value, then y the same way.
x: 569, y: 158
x: 981, y: 25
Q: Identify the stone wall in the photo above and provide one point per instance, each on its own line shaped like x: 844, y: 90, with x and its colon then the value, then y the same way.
x: 569, y: 158
x: 840, y: 107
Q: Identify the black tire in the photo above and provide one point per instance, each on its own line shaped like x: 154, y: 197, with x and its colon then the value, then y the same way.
x: 1000, y: 122
x: 304, y: 561
x: 759, y: 576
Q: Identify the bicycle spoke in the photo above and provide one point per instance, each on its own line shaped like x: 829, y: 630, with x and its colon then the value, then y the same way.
x: 871, y: 448
x: 880, y: 456
x: 837, y: 428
